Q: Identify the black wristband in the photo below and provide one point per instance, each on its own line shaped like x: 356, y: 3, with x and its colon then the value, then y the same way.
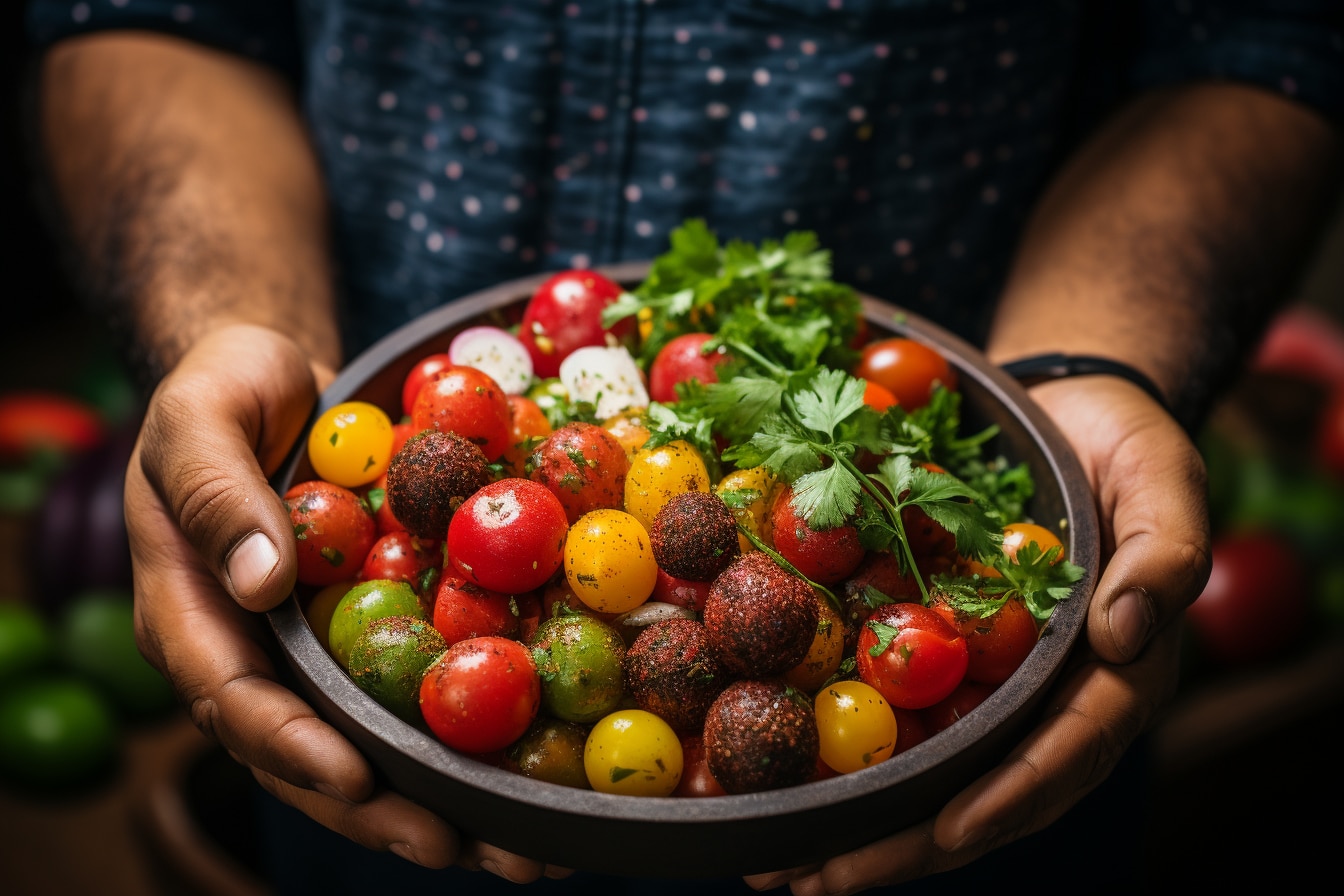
x: 1042, y: 368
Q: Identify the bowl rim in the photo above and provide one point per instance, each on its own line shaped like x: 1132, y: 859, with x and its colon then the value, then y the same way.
x: 307, y: 657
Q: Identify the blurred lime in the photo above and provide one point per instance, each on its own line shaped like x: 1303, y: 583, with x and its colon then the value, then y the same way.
x: 96, y: 638
x: 55, y: 732
x: 26, y: 641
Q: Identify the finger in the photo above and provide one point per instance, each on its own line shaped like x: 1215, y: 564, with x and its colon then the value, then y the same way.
x: 387, y: 822
x: 210, y: 650
x: 1150, y: 486
x: 224, y: 418
x: 501, y: 863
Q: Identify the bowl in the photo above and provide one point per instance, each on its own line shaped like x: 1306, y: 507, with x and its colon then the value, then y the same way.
x: 714, y: 836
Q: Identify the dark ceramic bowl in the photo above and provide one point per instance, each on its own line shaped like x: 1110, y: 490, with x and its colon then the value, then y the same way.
x: 718, y: 836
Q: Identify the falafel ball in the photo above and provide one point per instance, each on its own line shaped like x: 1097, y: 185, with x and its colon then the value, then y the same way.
x: 694, y: 536
x: 430, y: 477
x: 760, y: 618
x: 671, y: 670
x: 761, y: 735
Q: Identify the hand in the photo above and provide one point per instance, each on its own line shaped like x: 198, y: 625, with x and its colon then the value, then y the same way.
x: 1148, y: 480
x: 212, y: 546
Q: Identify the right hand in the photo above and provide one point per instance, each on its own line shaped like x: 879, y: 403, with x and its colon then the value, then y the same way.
x: 213, y: 547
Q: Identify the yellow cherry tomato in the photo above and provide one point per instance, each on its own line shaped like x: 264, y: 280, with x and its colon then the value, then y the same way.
x: 658, y: 474
x: 1017, y: 534
x: 826, y: 653
x: 755, y: 516
x: 634, y: 753
x: 609, y: 561
x: 351, y: 444
x: 629, y: 429
x: 857, y: 728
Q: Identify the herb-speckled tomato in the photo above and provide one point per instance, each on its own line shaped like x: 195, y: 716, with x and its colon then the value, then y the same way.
x: 508, y: 536
x: 481, y: 695
x: 468, y: 402
x: 565, y: 313
x: 584, y: 466
x: 333, y: 531
x: 912, y: 655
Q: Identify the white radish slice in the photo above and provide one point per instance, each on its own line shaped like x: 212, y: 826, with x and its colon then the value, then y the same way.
x: 496, y: 352
x: 605, y: 376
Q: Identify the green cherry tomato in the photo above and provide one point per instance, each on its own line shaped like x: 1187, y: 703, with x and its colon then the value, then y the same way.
x: 857, y: 728
x: 351, y: 443
x: 580, y: 659
x: 364, y: 603
x: 633, y: 752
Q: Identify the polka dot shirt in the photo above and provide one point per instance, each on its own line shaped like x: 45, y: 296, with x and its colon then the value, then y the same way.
x: 467, y: 143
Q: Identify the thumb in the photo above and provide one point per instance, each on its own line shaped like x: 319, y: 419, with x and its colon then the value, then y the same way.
x: 216, y: 427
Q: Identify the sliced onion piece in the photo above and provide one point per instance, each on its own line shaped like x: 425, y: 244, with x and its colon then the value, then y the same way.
x: 496, y: 352
x: 608, y: 377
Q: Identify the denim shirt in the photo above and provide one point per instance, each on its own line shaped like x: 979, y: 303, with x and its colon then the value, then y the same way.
x: 467, y: 142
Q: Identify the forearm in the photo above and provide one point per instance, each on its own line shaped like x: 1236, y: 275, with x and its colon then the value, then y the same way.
x: 190, y: 193
x: 1171, y: 236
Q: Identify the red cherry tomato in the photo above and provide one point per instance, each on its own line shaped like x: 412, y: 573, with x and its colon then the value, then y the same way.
x: 584, y: 466
x: 913, y: 656
x: 826, y: 556
x: 402, y: 557
x: 877, y: 396
x: 468, y: 402
x: 420, y: 374
x: 509, y: 536
x: 376, y: 497
x: 565, y: 313
x: 955, y: 706
x: 463, y: 610
x: 909, y: 369
x: 481, y: 694
x: 529, y: 426
x: 333, y: 531
x: 1256, y: 602
x: 696, y: 778
x: 998, y: 644
x: 680, y: 360
x: 33, y: 420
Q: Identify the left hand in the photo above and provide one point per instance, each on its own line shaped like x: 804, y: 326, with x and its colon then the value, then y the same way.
x: 1149, y: 484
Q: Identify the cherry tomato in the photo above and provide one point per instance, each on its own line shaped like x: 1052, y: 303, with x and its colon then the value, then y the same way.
x: 826, y: 556
x: 375, y: 496
x: 912, y: 655
x: 609, y: 561
x: 857, y: 728
x: 420, y: 374
x: 362, y: 604
x: 926, y: 537
x: 584, y: 466
x: 527, y: 428
x: 468, y: 402
x: 350, y: 443
x: 1017, y: 534
x: 688, y: 593
x: 997, y: 644
x: 1257, y: 601
x: 333, y: 530
x: 402, y: 557
x: 629, y: 428
x: 826, y: 653
x: 754, y: 516
x: 907, y: 368
x: 463, y: 610
x: 633, y: 752
x: 683, y: 359
x: 508, y: 536
x: 956, y: 705
x: 656, y: 474
x: 30, y: 421
x: 482, y: 694
x: 565, y: 313
x: 696, y: 778
x: 877, y: 396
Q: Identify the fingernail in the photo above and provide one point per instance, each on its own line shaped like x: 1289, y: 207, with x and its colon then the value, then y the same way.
x: 250, y: 562
x: 1130, y: 619
x: 403, y: 851
x: 770, y: 883
x: 489, y: 865
x: 325, y: 788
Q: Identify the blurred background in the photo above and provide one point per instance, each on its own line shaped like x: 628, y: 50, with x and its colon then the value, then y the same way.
x: 97, y: 761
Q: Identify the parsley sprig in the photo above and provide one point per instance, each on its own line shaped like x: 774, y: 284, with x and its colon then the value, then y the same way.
x: 1040, y: 578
